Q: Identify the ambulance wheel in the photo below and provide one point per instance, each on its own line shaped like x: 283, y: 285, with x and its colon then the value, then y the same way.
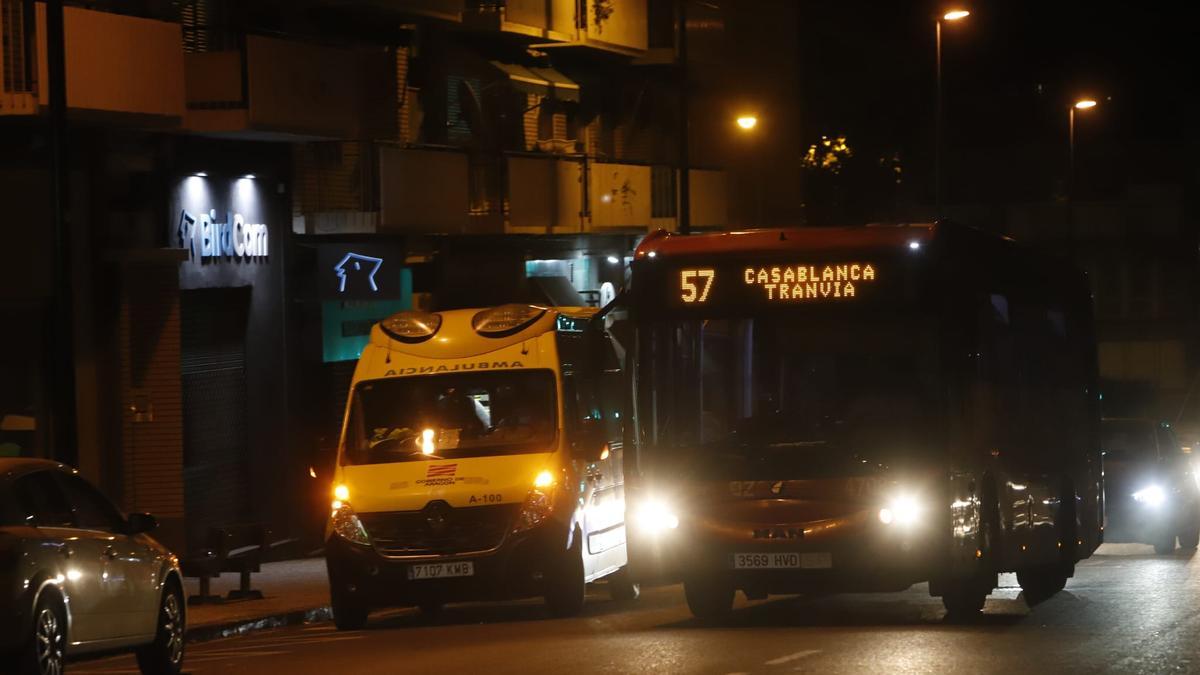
x: 564, y: 585
x: 349, y: 609
x: 709, y: 597
x: 621, y: 588
x: 1165, y: 544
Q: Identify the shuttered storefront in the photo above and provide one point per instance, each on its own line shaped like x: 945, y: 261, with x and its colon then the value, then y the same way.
x: 213, y: 368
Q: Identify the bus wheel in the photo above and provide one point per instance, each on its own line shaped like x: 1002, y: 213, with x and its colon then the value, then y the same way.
x: 621, y: 588
x: 1189, y: 537
x: 1165, y: 544
x: 709, y: 597
x: 1041, y: 583
x: 964, y: 599
x: 564, y: 584
x: 349, y: 610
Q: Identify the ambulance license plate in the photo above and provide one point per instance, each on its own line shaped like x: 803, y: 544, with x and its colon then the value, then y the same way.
x: 782, y: 561
x: 441, y: 570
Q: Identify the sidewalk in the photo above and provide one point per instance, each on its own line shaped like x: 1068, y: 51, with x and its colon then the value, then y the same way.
x: 294, y: 591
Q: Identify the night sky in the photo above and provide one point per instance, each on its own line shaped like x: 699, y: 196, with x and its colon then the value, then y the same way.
x: 1010, y: 71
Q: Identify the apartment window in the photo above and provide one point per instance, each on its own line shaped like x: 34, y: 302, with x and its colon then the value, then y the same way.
x: 662, y: 192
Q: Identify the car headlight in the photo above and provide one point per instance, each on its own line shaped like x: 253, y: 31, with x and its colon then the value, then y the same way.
x: 656, y: 516
x: 347, y: 525
x: 1151, y: 495
x: 902, y: 510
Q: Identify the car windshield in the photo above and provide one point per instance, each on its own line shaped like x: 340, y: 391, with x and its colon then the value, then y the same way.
x: 794, y: 395
x: 1129, y: 441
x: 451, y: 416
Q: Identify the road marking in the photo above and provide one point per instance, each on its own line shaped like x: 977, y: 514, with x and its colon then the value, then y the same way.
x: 793, y: 657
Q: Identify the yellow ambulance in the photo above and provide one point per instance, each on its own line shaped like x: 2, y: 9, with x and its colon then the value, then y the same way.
x: 480, y: 458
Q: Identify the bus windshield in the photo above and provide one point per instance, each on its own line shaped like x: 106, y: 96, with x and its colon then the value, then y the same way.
x: 451, y: 416
x: 789, y: 395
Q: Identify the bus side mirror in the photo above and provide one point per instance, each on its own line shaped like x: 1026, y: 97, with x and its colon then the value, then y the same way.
x: 590, y: 441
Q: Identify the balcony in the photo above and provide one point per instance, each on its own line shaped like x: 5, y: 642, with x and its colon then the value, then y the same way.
x: 619, y: 26
x: 287, y: 90
x: 123, y: 68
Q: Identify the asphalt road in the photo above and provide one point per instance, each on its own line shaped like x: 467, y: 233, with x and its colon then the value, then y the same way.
x: 1126, y: 610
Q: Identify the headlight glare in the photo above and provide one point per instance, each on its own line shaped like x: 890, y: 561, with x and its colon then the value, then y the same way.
x: 902, y: 510
x: 347, y: 525
x: 656, y: 516
x: 1152, y: 495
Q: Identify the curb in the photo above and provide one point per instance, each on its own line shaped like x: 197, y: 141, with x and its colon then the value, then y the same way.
x: 216, y: 631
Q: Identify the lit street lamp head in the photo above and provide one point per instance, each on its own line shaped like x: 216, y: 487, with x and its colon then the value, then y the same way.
x: 1085, y: 104
x: 956, y: 14
x: 747, y: 122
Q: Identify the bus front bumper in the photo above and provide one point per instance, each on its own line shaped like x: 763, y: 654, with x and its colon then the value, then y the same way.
x: 857, y: 559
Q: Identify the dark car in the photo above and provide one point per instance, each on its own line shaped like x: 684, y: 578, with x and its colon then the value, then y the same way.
x: 76, y: 576
x: 1151, y: 493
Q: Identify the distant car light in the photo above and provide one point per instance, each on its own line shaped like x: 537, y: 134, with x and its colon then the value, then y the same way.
x: 505, y: 319
x: 411, y: 326
x: 1151, y: 495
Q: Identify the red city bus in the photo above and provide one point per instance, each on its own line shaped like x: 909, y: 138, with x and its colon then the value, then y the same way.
x: 861, y: 409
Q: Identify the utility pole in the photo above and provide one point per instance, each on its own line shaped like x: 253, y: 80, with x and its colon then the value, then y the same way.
x: 685, y: 188
x: 62, y: 340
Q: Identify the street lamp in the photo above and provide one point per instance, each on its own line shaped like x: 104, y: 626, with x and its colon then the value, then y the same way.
x: 1081, y: 104
x: 748, y: 123
x: 951, y: 16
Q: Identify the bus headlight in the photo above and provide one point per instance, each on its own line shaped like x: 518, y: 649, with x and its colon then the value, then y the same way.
x: 1151, y: 495
x: 347, y: 525
x: 656, y: 516
x: 902, y: 510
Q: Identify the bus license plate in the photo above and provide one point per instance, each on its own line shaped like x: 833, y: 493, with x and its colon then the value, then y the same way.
x: 781, y: 561
x: 441, y: 570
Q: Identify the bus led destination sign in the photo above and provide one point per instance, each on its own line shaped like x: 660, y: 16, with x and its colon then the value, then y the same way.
x: 810, y: 282
x: 779, y: 283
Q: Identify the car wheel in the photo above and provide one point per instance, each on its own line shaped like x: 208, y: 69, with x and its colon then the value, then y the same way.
x: 46, y: 650
x: 164, y: 656
x: 710, y: 598
x: 349, y: 610
x: 622, y: 588
x: 564, y: 585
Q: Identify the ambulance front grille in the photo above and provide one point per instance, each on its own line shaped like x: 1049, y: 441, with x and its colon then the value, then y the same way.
x: 449, y: 531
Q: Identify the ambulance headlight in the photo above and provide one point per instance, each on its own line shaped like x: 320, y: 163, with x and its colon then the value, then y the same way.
x: 411, y: 326
x: 505, y: 319
x: 538, y: 506
x: 347, y: 525
x: 1151, y: 495
x: 657, y: 516
x: 901, y: 510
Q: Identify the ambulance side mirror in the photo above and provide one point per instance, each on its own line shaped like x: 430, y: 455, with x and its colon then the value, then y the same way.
x: 590, y: 440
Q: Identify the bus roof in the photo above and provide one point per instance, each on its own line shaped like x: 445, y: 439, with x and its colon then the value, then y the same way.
x: 787, y: 239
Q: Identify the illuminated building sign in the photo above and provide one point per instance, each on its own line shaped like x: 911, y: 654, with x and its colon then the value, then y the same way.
x: 810, y: 282
x: 356, y: 262
x: 207, y: 237
x: 773, y: 284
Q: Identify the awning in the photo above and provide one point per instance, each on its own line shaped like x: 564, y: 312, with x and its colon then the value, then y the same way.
x: 565, y: 89
x: 540, y: 81
x: 523, y: 79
